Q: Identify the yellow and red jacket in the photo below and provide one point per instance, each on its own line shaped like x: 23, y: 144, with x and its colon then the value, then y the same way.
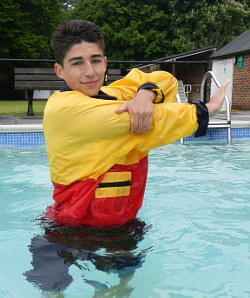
x: 98, y: 168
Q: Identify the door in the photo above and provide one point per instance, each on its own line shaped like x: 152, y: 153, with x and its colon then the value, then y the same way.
x: 223, y: 70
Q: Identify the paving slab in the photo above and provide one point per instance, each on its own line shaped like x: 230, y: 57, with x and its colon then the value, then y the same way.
x: 237, y: 117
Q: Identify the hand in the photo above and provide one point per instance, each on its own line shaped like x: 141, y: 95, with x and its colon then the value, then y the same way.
x: 141, y: 111
x: 216, y: 101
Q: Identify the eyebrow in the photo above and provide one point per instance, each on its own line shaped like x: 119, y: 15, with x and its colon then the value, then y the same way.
x: 81, y: 58
x: 75, y: 58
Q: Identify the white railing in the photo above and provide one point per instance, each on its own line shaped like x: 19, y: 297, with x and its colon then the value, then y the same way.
x: 223, y: 123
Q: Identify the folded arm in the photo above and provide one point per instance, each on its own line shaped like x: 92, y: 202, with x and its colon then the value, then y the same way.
x: 140, y: 90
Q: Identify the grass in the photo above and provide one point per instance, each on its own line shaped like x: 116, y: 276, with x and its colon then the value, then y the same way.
x: 20, y: 107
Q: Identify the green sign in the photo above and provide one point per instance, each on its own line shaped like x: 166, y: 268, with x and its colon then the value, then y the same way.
x: 240, y: 61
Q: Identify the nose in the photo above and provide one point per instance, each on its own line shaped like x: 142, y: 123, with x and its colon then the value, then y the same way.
x: 88, y: 69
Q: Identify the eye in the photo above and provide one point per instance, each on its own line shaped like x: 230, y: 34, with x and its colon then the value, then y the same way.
x: 96, y: 61
x: 77, y: 63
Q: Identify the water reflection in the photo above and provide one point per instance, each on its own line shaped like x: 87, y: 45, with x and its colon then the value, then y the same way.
x: 111, y: 250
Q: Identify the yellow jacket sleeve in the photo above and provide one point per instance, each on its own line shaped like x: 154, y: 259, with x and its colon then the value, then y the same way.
x: 126, y: 88
x: 85, y: 136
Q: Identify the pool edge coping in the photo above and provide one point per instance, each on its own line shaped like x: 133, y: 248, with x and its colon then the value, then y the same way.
x: 5, y: 128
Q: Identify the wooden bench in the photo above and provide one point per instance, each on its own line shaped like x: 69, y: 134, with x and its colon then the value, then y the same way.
x: 113, y: 74
x: 31, y: 79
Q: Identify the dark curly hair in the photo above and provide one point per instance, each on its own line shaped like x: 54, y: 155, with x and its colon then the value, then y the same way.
x: 74, y: 32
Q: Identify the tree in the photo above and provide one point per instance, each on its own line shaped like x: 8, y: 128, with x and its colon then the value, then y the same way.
x: 153, y: 29
x: 212, y: 25
x: 148, y: 29
x: 25, y: 30
x: 133, y: 30
x: 8, y: 28
x: 26, y: 26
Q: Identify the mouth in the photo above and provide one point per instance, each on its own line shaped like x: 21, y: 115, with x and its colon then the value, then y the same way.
x: 90, y: 83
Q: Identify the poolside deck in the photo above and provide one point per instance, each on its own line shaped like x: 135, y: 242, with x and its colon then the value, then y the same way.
x: 239, y: 119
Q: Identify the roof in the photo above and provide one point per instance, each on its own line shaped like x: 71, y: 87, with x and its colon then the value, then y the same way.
x: 239, y: 45
x: 187, y: 54
x: 178, y: 56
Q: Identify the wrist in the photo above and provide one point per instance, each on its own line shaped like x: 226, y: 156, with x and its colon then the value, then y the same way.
x: 147, y: 94
x: 159, y: 96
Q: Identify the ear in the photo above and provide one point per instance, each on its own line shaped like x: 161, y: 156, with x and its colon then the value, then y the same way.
x: 106, y: 61
x: 59, y: 70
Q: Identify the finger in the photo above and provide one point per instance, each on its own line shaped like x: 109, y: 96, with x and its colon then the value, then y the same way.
x: 134, y: 123
x: 226, y: 83
x: 146, y: 124
x: 149, y: 123
x: 122, y: 108
x: 142, y: 125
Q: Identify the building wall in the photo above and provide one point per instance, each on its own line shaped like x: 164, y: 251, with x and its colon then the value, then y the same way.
x: 191, y: 74
x: 223, y: 70
x: 241, y: 85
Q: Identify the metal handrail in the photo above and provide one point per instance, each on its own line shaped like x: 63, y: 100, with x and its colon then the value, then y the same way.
x: 202, y: 97
x: 225, y: 124
x: 170, y: 61
x: 202, y: 93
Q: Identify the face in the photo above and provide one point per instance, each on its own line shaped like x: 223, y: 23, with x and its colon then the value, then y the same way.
x: 83, y: 68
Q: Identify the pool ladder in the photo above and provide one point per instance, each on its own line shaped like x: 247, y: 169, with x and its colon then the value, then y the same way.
x: 225, y: 123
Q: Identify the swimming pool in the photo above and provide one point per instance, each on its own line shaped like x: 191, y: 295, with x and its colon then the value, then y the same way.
x: 191, y: 238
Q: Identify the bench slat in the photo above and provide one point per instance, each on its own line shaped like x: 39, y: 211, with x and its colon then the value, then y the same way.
x: 114, y: 77
x: 34, y: 71
x: 39, y: 85
x: 45, y: 77
x: 115, y: 71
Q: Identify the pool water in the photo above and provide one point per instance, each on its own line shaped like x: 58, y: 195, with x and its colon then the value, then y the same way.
x: 191, y: 238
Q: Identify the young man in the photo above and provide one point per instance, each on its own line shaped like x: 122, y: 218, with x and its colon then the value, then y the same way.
x: 97, y: 152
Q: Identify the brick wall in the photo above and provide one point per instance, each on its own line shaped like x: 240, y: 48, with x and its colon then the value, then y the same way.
x: 191, y: 74
x: 241, y: 85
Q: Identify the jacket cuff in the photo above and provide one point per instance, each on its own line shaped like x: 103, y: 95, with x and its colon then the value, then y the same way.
x: 203, y: 117
x: 153, y: 87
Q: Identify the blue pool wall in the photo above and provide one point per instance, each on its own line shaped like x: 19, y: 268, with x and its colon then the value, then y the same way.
x: 27, y: 139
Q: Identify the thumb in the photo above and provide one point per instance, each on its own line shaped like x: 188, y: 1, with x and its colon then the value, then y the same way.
x: 226, y: 83
x: 122, y: 108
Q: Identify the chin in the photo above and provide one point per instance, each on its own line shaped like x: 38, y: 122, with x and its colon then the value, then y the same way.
x: 90, y: 93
